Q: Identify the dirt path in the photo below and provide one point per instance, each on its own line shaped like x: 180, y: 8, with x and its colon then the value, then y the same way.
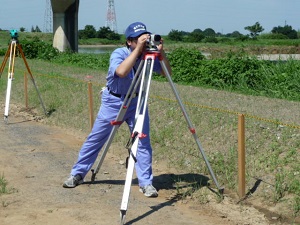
x: 35, y: 160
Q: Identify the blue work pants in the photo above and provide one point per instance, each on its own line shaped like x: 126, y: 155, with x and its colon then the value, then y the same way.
x: 109, y: 109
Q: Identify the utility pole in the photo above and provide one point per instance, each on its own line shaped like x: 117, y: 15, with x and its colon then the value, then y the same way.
x: 111, y: 20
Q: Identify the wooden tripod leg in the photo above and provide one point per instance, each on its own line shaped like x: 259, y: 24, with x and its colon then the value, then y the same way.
x: 5, y: 60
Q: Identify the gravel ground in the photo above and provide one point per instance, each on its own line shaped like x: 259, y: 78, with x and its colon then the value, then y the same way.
x: 35, y: 160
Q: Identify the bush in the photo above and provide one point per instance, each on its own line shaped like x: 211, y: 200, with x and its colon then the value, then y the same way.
x: 225, y: 40
x: 273, y: 36
x: 185, y: 64
x: 210, y: 40
x: 38, y: 49
x: 234, y: 72
x: 2, y: 51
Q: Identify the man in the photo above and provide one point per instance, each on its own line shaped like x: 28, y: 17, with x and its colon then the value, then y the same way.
x: 124, y: 62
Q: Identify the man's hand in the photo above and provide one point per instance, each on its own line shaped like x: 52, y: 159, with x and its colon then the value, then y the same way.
x: 141, y: 43
x: 160, y: 47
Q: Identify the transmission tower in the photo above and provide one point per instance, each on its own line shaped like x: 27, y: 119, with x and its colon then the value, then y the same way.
x: 48, y: 18
x: 111, y: 20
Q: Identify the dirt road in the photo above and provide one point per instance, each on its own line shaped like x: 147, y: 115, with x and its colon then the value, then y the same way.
x: 35, y: 160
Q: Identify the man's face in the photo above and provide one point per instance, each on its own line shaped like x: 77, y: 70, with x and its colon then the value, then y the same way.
x: 132, y: 42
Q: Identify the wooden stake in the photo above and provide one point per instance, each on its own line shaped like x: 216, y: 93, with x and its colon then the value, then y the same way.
x: 26, y: 90
x: 241, y: 155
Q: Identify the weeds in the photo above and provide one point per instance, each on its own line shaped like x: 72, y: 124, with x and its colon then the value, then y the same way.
x: 280, y: 186
x: 3, y: 185
x: 272, y: 152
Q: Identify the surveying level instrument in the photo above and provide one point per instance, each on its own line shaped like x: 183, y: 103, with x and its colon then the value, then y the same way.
x: 141, y: 81
x: 11, y: 54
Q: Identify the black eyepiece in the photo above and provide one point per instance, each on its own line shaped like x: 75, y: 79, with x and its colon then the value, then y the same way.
x: 157, y: 37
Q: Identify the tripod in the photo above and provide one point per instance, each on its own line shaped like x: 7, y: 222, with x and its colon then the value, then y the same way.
x: 142, y: 80
x: 11, y: 54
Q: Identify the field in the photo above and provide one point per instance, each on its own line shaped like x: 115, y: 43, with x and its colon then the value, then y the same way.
x: 272, y: 134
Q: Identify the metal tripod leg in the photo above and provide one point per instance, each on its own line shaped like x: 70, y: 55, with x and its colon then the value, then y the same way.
x: 116, y: 124
x: 191, y: 128
x: 137, y: 131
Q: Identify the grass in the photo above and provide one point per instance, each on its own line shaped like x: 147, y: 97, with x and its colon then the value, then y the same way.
x: 5, y: 189
x: 273, y: 149
x: 3, y: 185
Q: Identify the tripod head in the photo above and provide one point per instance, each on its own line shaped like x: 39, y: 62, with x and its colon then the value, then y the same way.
x: 14, y: 34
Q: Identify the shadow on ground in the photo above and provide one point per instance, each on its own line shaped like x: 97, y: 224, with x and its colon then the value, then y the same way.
x: 166, y: 181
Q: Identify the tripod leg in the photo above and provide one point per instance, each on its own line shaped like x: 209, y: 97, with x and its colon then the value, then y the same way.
x: 7, y: 99
x: 9, y: 78
x: 123, y: 216
x: 106, y: 147
x: 5, y: 60
x: 132, y: 89
x: 128, y: 182
x: 192, y: 130
x: 32, y: 79
x: 138, y: 129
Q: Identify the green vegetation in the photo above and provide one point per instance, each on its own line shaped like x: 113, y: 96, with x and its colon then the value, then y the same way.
x: 272, y: 149
x: 235, y: 70
x: 104, y: 33
x: 4, y: 189
x: 3, y: 185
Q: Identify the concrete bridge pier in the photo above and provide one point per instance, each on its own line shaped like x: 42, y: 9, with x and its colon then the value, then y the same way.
x: 65, y: 24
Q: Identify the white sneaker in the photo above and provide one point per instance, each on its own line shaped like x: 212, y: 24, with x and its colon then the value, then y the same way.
x: 149, y: 191
x: 73, y: 181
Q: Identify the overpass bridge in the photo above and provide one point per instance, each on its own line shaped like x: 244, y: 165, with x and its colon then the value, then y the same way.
x: 65, y: 24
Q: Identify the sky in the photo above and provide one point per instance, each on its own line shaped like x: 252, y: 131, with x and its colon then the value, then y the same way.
x: 162, y: 16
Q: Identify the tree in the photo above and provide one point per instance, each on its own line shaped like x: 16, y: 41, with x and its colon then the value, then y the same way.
x: 175, y: 35
x: 286, y: 30
x: 22, y: 29
x: 254, y: 30
x: 196, y: 36
x: 88, y: 32
x: 36, y: 29
x: 113, y: 36
x: 198, y: 31
x: 235, y: 34
x: 209, y: 32
x: 103, y: 32
x: 106, y: 32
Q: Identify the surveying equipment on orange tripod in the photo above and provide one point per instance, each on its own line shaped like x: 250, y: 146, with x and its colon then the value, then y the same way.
x: 11, y: 54
x: 141, y: 81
